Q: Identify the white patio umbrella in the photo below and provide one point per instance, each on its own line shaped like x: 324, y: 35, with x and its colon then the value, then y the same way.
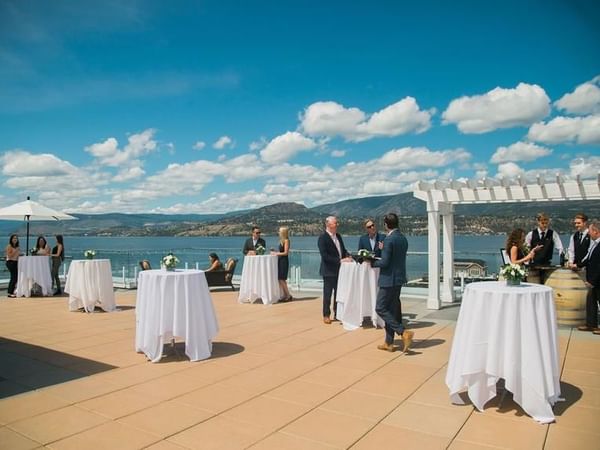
x: 30, y: 210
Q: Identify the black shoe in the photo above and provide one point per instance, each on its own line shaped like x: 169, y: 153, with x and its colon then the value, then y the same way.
x: 57, y: 293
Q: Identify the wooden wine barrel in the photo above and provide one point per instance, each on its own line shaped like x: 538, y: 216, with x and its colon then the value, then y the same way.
x: 533, y: 276
x: 569, y: 296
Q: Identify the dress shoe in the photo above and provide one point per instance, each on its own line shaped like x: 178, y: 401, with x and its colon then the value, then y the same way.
x: 585, y: 328
x: 407, y: 338
x: 387, y: 347
x: 326, y: 320
x: 596, y: 331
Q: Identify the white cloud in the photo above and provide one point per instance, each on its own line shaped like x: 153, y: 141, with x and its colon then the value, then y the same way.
x: 332, y: 119
x: 285, y: 147
x: 199, y: 145
x: 338, y: 153
x: 498, y: 108
x: 519, y: 151
x: 20, y: 163
x: 509, y: 170
x: 108, y: 154
x: 585, y: 167
x: 223, y: 142
x: 257, y: 145
x: 580, y: 130
x: 412, y: 157
x: 129, y: 173
x: 585, y: 99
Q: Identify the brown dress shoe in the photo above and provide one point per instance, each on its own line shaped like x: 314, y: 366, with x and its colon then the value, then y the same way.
x: 584, y: 328
x: 407, y: 338
x: 596, y: 331
x: 387, y: 347
x: 326, y: 320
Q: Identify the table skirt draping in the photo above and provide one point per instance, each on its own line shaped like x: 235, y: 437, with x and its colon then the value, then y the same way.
x: 357, y: 295
x: 33, y: 269
x: 507, y: 332
x: 259, y: 280
x: 174, y: 304
x: 89, y: 283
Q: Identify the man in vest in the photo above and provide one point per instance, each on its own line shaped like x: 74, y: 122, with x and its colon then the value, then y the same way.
x: 548, y: 239
x: 591, y: 262
x: 580, y: 241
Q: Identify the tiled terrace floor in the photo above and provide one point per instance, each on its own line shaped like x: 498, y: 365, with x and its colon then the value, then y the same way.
x: 278, y: 379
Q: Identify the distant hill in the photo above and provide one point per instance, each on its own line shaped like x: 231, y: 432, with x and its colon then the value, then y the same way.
x: 470, y: 219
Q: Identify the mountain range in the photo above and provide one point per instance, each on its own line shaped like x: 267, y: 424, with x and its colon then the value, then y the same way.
x: 469, y: 219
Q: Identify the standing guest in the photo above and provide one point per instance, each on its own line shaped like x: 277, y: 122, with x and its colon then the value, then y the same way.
x: 591, y: 262
x: 283, y: 263
x: 215, y: 263
x: 12, y: 263
x: 580, y: 240
x: 253, y: 242
x: 515, y: 247
x: 373, y: 240
x: 41, y: 247
x: 58, y: 256
x: 547, y: 238
x: 392, y: 276
x: 333, y: 252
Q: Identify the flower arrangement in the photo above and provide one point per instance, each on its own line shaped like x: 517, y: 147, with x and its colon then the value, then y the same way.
x: 33, y: 251
x: 89, y: 254
x: 513, y: 273
x: 260, y: 250
x: 170, y: 261
x: 364, y: 253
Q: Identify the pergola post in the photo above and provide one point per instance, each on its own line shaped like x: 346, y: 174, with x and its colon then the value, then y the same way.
x: 433, y: 226
x: 447, y: 211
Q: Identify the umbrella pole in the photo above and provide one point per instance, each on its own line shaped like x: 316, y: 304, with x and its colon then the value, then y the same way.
x: 27, y: 251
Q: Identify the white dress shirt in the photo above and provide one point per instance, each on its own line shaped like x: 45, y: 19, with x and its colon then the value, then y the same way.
x: 555, y: 238
x: 571, y: 249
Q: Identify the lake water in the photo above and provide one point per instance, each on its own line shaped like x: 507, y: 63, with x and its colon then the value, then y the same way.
x: 126, y: 252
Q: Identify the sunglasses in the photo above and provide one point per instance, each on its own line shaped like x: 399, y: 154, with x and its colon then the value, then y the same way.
x: 371, y: 226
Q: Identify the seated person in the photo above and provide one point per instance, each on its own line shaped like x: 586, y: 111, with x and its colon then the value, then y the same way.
x: 215, y: 263
x: 515, y: 247
x: 145, y: 265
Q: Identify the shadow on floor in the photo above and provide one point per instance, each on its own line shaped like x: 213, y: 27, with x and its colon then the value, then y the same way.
x: 571, y: 394
x: 176, y: 352
x: 25, y: 367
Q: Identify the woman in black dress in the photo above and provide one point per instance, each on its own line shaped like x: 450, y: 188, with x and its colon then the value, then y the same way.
x: 58, y: 256
x: 12, y: 262
x: 515, y: 247
x: 283, y: 263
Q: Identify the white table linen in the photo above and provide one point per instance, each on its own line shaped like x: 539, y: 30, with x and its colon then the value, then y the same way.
x: 33, y: 269
x: 174, y: 304
x: 357, y: 294
x: 259, y: 280
x: 89, y: 283
x: 507, y: 332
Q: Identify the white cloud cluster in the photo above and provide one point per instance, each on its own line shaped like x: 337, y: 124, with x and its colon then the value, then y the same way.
x: 519, y: 151
x: 585, y: 99
x: 498, y: 108
x: 19, y: 163
x: 286, y: 146
x: 223, y: 142
x: 580, y: 130
x: 332, y: 119
x: 199, y: 145
x: 128, y: 160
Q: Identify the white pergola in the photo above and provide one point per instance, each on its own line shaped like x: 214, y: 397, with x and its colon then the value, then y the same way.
x: 441, y: 196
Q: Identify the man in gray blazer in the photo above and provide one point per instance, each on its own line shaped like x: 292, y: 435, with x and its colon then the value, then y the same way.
x: 392, y: 276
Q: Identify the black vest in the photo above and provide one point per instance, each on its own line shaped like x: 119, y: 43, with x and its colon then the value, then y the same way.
x: 581, y: 247
x: 544, y: 255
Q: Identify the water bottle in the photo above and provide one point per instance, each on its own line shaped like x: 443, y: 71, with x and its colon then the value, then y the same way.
x: 562, y: 258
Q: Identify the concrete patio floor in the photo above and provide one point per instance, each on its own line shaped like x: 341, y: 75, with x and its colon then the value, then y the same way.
x: 278, y: 379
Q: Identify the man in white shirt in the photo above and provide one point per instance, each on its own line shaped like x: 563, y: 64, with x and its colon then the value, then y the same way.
x: 547, y: 238
x: 580, y: 240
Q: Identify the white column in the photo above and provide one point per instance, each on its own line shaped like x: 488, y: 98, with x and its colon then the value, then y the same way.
x: 448, y: 242
x: 433, y: 225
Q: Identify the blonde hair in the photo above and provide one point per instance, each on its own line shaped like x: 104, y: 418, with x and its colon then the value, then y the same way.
x: 284, y: 233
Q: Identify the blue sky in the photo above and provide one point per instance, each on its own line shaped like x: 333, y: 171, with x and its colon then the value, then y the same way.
x: 201, y: 107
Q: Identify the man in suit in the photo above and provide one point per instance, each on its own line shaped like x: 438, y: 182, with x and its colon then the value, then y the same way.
x: 591, y: 262
x: 580, y: 240
x: 373, y: 240
x: 333, y: 252
x: 392, y: 276
x: 253, y: 242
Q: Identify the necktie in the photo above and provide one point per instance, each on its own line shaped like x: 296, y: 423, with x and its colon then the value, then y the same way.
x: 542, y: 235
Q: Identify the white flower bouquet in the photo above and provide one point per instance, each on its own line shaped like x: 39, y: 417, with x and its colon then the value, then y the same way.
x: 513, y: 273
x: 33, y: 251
x: 170, y: 261
x: 260, y: 250
x: 89, y: 254
x: 364, y: 253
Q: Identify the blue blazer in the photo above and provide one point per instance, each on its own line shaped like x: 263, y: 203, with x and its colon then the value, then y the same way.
x: 393, y: 260
x: 330, y: 258
x: 365, y: 243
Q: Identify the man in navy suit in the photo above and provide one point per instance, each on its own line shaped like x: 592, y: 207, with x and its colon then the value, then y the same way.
x: 333, y: 251
x: 253, y: 242
x: 392, y: 276
x: 591, y: 262
x: 373, y: 240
